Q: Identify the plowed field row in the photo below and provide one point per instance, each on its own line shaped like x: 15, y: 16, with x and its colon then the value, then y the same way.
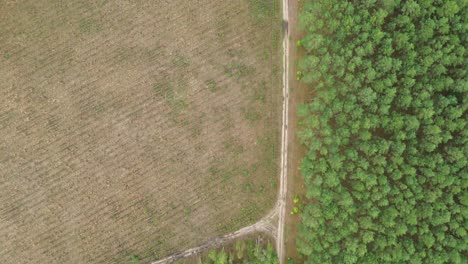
x: 134, y: 129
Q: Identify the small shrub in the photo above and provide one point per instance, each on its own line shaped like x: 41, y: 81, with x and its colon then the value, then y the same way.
x: 135, y: 258
x: 187, y: 211
x: 180, y: 60
x: 211, y: 85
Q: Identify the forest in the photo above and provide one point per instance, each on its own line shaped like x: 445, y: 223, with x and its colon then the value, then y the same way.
x: 386, y: 138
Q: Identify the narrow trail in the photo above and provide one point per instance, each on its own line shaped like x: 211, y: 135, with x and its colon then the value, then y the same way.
x: 266, y: 224
x: 284, y: 137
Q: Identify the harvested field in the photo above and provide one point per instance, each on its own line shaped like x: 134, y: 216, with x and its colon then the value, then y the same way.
x: 130, y: 130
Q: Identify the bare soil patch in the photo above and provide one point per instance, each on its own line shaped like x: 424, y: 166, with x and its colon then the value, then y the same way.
x: 299, y: 94
x: 130, y: 130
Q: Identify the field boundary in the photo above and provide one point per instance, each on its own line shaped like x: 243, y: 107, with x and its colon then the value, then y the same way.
x: 284, y: 137
x: 265, y: 225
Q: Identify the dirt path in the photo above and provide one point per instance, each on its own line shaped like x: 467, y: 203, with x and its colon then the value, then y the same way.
x: 263, y: 225
x: 299, y: 94
x: 266, y: 224
x: 281, y: 203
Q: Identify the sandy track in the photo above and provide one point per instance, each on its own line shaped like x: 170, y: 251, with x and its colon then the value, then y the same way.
x: 284, y: 137
x: 263, y: 225
x: 266, y: 224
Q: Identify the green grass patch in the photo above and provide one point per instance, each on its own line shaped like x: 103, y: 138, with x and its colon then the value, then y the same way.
x: 128, y: 256
x: 259, y: 94
x: 7, y: 117
x: 150, y: 213
x: 211, y: 85
x: 180, y: 60
x: 248, y: 215
x: 248, y: 187
x: 233, y: 146
x: 251, y: 251
x: 164, y: 89
x: 187, y: 211
x: 7, y: 55
x: 221, y: 29
x: 225, y: 174
x: 252, y: 115
x: 238, y: 70
x: 175, y: 97
x: 269, y: 149
x: 87, y: 26
x: 262, y: 10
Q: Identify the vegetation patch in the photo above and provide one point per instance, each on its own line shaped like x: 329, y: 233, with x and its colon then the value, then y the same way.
x: 386, y: 132
x: 262, y: 10
x: 211, y: 85
x: 247, y: 217
x: 238, y: 70
x: 180, y: 60
x: 89, y: 26
x: 244, y: 252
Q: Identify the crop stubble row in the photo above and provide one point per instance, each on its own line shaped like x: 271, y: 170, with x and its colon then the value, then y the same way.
x: 50, y: 163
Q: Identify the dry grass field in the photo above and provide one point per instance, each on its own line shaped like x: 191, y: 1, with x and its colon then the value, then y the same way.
x: 132, y: 129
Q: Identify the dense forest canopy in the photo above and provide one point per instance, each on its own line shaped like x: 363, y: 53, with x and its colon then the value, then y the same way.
x: 386, y: 170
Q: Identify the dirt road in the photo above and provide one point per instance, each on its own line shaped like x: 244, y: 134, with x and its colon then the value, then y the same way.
x: 284, y: 137
x: 263, y: 225
x: 266, y: 224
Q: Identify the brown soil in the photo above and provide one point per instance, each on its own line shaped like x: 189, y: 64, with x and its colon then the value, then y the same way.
x: 299, y: 93
x: 133, y: 129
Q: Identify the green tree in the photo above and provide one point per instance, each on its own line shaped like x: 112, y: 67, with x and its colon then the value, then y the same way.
x: 386, y: 131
